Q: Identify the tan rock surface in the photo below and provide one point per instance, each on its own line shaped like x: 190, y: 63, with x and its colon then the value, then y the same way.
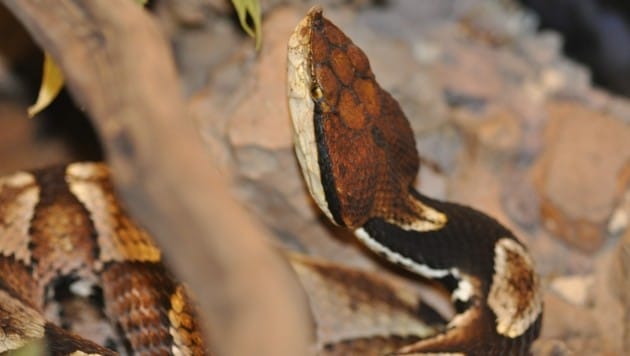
x: 580, y: 174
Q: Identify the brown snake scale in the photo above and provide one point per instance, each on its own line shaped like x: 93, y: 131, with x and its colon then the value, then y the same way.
x: 64, y: 236
x: 63, y: 226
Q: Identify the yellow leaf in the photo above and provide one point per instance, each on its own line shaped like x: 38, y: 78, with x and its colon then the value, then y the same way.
x: 251, y: 8
x: 52, y: 82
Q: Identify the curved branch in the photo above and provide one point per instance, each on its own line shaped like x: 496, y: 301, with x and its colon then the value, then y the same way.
x: 118, y: 67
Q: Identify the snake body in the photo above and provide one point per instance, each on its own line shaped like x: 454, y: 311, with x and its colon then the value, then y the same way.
x: 358, y: 157
x: 62, y: 228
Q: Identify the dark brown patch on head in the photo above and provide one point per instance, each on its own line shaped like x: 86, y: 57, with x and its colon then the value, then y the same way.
x: 371, y: 154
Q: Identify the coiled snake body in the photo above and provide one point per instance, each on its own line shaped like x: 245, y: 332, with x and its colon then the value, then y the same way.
x: 358, y: 157
x: 63, y: 226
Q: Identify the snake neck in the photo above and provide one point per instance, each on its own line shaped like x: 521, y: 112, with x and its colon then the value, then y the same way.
x: 477, y: 259
x: 447, y: 251
x: 462, y: 243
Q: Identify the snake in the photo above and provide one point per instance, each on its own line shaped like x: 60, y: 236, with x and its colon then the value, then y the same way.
x: 358, y: 157
x: 65, y: 235
x: 63, y: 232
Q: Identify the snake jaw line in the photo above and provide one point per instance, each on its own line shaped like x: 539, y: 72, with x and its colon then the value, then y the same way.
x: 400, y: 260
x: 302, y: 109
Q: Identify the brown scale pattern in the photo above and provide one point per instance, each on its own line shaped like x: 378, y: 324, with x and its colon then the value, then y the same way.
x: 119, y: 238
x: 133, y: 294
x: 371, y: 148
x: 66, y: 222
x: 185, y: 329
x: 61, y: 232
x: 138, y: 296
x: 17, y: 281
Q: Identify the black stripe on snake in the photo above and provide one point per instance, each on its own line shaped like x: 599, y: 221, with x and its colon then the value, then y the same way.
x: 358, y: 156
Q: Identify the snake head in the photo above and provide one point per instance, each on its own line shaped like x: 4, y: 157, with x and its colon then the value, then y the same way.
x: 354, y: 144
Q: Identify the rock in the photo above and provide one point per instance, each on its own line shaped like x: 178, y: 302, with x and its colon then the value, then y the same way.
x: 573, y: 289
x: 262, y: 117
x: 596, y: 148
x: 569, y: 329
x: 441, y: 145
x: 432, y: 183
x: 607, y: 298
x: 201, y: 50
x: 619, y: 219
x: 422, y: 101
x: 467, y: 63
x: 520, y: 199
x: 551, y: 347
x: 186, y: 13
x: 542, y: 49
x: 20, y: 148
x: 496, y: 23
x: 496, y: 130
x: 254, y: 162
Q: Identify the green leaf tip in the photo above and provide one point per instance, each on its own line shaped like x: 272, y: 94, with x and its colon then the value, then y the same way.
x: 250, y: 8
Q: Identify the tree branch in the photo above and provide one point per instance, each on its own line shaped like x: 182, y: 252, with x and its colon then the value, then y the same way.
x: 119, y: 68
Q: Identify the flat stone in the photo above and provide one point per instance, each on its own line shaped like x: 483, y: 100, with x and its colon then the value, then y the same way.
x: 496, y: 129
x: 463, y: 66
x: 609, y: 298
x: 595, y: 148
x: 520, y: 199
x: 551, y: 347
x: 573, y: 330
x: 254, y: 162
x: 620, y: 218
x: 573, y: 289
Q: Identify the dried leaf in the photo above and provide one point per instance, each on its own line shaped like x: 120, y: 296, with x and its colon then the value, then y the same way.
x: 250, y: 8
x: 52, y: 82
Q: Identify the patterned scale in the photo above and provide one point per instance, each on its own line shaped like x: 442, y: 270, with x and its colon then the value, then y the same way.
x: 62, y: 226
